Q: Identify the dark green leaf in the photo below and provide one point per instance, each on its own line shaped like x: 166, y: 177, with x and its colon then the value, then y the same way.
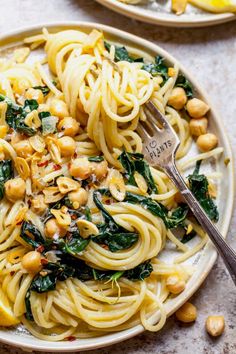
x: 30, y: 105
x: 188, y: 237
x: 6, y: 173
x: 74, y: 243
x: 44, y: 115
x: 45, y: 89
x: 132, y: 162
x: 121, y: 54
x: 28, y: 313
x: 185, y: 84
x: 140, y: 272
x: 157, y: 68
x: 88, y: 213
x: 117, y: 241
x: 171, y: 221
x: 96, y: 158
x: 198, y: 184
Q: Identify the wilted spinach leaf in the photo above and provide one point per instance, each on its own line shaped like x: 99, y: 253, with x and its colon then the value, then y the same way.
x: 74, y: 243
x: 188, y: 237
x: 30, y: 234
x: 15, y: 115
x: 171, y: 221
x: 45, y: 89
x: 140, y: 272
x: 185, y: 84
x: 121, y: 53
x: 110, y: 233
x: 6, y: 173
x: 132, y: 162
x: 157, y: 68
x: 198, y: 184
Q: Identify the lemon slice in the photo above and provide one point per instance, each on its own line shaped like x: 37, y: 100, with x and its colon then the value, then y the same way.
x: 215, y: 5
x: 7, y: 317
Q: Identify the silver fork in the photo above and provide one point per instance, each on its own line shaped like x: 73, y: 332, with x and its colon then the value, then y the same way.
x: 160, y: 143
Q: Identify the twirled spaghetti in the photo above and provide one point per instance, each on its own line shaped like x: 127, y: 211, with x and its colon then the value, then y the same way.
x: 82, y: 215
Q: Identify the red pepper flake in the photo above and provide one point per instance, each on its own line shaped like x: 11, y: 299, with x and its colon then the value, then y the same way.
x: 20, y: 222
x: 105, y: 247
x: 44, y: 261
x: 43, y: 164
x: 108, y: 202
x: 73, y: 217
x: 69, y: 165
x: 70, y: 338
x: 56, y: 167
x: 75, y: 155
x: 12, y: 273
x: 40, y: 249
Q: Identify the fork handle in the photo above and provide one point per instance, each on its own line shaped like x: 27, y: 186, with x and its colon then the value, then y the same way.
x: 226, y: 252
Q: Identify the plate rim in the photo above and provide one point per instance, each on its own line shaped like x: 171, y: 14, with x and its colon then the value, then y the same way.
x: 64, y: 346
x: 165, y: 19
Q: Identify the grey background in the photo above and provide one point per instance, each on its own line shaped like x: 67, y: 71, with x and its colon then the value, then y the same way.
x: 210, y: 54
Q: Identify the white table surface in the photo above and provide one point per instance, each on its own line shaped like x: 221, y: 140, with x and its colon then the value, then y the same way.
x: 210, y: 54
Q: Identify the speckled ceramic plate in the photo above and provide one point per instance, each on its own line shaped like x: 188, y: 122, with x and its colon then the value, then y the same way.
x: 158, y: 12
x: 202, y: 261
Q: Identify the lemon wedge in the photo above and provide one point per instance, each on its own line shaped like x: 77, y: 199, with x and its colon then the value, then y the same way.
x: 215, y: 5
x: 7, y: 317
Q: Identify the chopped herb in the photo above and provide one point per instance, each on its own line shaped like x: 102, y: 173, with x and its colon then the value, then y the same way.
x: 132, y: 162
x: 198, y: 184
x: 88, y: 213
x: 185, y: 84
x: 96, y: 158
x: 6, y: 173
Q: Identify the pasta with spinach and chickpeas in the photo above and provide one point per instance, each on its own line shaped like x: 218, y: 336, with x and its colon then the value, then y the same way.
x: 83, y: 217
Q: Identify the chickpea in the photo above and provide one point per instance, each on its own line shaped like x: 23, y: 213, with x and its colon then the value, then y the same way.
x: 33, y: 94
x: 215, y: 325
x: 100, y: 169
x: 15, y: 189
x: 19, y: 86
x: 32, y: 262
x: 198, y: 126
x: 186, y: 313
x: 38, y: 204
x: 59, y: 109
x: 178, y: 98
x: 69, y: 126
x: 78, y: 197
x: 24, y: 149
x: 81, y: 168
x: 67, y: 146
x: 197, y: 108
x: 174, y: 284
x: 207, y: 142
x: 53, y: 229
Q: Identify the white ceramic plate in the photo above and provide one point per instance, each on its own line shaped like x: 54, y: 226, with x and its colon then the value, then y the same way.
x: 158, y: 12
x: 203, y: 260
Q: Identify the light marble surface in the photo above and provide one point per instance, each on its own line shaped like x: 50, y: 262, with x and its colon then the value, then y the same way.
x: 210, y: 54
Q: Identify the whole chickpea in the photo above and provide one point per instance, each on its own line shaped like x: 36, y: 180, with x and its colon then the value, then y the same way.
x: 67, y: 146
x: 15, y: 189
x: 24, y: 149
x: 187, y: 313
x: 81, y: 168
x: 197, y: 108
x: 198, y: 126
x: 32, y: 262
x: 178, y: 98
x: 33, y: 94
x: 38, y: 205
x: 53, y: 229
x: 207, y: 142
x: 100, y: 169
x: 78, y: 197
x: 215, y: 325
x: 69, y: 126
x: 59, y: 109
